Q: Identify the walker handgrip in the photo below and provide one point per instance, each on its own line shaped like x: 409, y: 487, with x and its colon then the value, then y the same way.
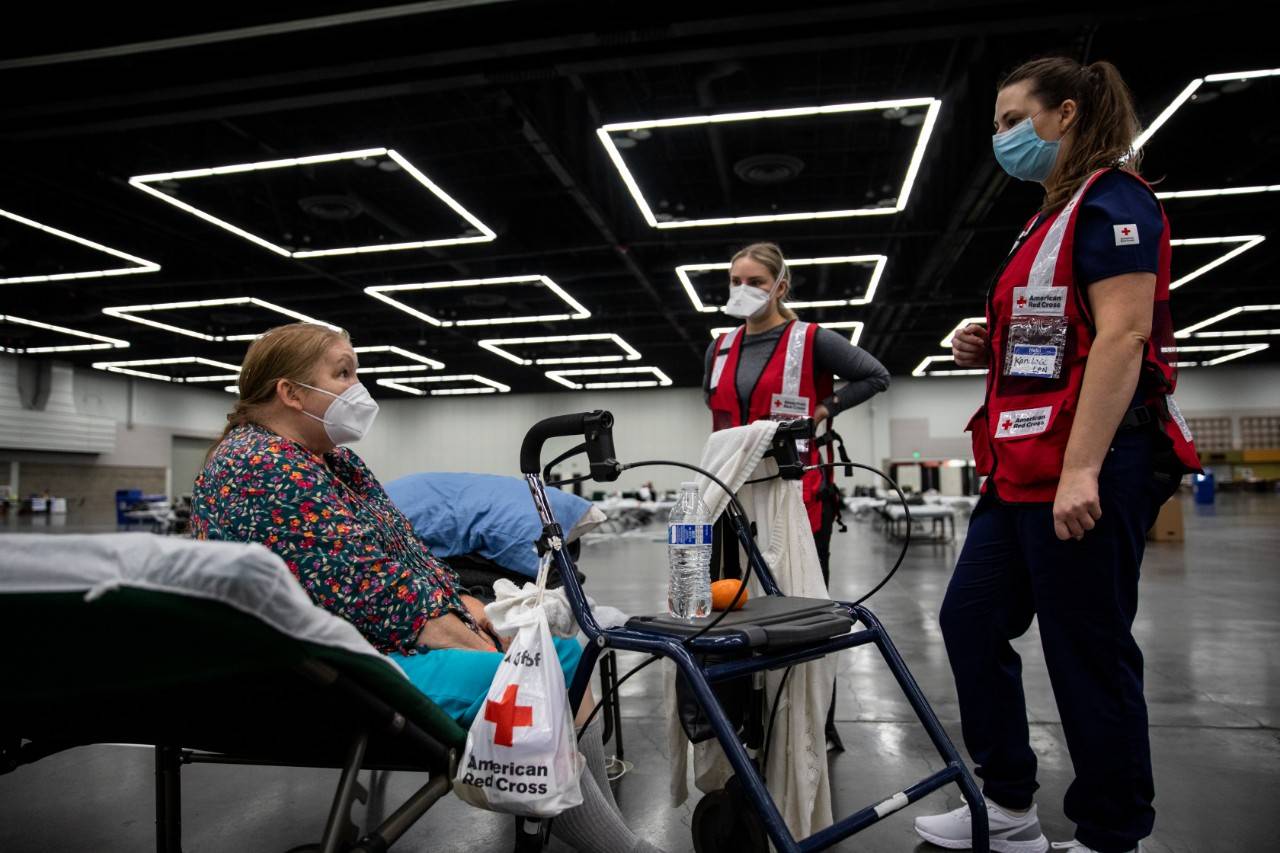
x: 561, y: 425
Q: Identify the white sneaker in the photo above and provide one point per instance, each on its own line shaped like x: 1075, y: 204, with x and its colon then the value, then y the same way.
x: 1008, y: 833
x: 1074, y: 846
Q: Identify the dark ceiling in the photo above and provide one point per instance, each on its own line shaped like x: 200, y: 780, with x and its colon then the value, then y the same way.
x: 499, y: 102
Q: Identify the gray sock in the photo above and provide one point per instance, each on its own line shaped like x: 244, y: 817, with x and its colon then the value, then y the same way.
x: 595, y: 826
x: 591, y: 745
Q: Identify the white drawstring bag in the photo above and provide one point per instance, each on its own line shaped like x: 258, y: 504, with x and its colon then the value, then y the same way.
x: 522, y: 757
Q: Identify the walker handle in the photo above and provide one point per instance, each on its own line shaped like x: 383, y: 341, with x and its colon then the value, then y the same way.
x: 596, y: 427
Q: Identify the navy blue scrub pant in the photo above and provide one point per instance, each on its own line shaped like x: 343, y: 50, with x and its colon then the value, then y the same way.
x: 1085, y: 593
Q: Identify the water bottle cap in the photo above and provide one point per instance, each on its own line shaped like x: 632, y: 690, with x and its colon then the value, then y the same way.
x: 688, y: 485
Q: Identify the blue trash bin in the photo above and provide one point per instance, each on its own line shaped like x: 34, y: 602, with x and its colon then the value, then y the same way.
x: 1204, y: 488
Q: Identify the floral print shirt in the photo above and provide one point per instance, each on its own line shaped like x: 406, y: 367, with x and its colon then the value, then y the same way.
x: 332, y: 523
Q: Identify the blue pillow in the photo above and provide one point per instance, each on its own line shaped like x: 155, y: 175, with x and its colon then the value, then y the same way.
x: 481, y: 514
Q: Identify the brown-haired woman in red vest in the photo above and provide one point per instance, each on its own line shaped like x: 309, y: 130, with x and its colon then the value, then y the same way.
x: 1081, y: 443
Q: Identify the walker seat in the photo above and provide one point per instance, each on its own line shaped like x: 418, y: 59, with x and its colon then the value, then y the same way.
x: 763, y: 623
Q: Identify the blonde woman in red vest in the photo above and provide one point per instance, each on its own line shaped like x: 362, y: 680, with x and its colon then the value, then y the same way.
x: 1081, y: 442
x: 776, y: 366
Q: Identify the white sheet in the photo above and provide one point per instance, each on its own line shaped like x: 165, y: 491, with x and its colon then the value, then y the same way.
x: 245, y: 576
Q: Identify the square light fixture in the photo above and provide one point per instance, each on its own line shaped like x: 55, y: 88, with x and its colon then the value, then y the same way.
x: 856, y: 327
x: 875, y: 262
x: 498, y: 346
x: 416, y: 363
x: 1190, y: 90
x: 140, y: 265
x: 1233, y: 351
x: 99, y: 341
x: 479, y: 385
x: 930, y: 105
x: 1197, y: 329
x: 946, y: 342
x: 579, y: 311
x: 1244, y: 242
x: 132, y: 312
x: 924, y: 368
x: 659, y: 379
x: 146, y: 184
x: 230, y: 371
x: 1176, y: 194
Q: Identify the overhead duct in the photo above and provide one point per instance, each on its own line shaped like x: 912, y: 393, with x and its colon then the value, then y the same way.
x: 55, y: 425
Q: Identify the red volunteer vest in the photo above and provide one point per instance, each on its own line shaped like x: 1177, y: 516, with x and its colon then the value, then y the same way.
x: 789, y: 373
x: 1041, y: 330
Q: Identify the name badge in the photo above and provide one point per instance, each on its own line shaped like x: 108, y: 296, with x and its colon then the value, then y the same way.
x: 1023, y: 422
x: 1039, y: 301
x: 1032, y: 360
x: 788, y: 407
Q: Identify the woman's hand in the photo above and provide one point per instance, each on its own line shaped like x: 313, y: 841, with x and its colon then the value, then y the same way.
x: 450, y: 632
x: 1076, y: 507
x: 476, y: 608
x: 969, y: 346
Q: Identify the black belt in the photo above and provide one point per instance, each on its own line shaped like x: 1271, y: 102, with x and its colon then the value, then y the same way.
x: 1139, y: 417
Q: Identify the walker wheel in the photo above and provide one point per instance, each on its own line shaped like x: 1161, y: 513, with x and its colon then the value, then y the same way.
x: 724, y: 822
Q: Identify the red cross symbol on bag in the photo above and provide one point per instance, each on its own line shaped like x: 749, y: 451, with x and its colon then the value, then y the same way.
x: 507, y: 716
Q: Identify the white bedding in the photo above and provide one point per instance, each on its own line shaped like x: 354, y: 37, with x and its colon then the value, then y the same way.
x: 245, y: 576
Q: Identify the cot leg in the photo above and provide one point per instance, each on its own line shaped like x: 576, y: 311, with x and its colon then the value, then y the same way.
x: 168, y: 800
x: 339, y: 827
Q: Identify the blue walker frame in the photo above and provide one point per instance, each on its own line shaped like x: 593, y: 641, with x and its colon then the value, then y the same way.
x: 700, y: 677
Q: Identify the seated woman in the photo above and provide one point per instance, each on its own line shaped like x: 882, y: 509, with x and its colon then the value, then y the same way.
x: 280, y: 476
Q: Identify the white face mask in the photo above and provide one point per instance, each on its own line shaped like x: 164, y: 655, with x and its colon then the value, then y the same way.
x: 350, y: 415
x: 746, y: 301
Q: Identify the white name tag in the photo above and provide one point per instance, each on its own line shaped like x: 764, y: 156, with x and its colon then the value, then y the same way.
x: 717, y: 368
x: 1032, y: 360
x: 1039, y: 301
x: 788, y: 407
x: 1023, y: 422
x: 1176, y: 414
x: 1126, y: 235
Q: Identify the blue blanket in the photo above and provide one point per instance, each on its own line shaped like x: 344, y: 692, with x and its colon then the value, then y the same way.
x: 481, y: 514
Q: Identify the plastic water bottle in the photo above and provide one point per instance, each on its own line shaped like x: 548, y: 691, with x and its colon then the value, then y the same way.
x: 689, y: 551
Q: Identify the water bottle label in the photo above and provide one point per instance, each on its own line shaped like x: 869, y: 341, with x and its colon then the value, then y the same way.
x: 689, y: 534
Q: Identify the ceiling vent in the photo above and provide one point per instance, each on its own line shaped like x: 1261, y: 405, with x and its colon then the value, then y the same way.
x: 768, y: 169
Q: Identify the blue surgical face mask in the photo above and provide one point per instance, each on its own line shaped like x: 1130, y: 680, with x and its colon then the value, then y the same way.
x: 1023, y: 154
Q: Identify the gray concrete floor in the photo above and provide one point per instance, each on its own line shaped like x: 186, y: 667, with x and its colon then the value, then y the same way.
x: 1209, y: 625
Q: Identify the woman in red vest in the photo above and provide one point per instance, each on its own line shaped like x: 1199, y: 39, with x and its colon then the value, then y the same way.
x: 1081, y: 442
x: 776, y: 366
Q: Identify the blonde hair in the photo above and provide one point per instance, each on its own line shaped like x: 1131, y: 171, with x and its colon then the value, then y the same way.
x: 1106, y: 122
x: 286, y: 352
x: 770, y: 256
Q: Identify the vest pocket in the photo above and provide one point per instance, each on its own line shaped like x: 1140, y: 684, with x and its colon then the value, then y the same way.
x: 977, y: 429
x: 1031, y: 441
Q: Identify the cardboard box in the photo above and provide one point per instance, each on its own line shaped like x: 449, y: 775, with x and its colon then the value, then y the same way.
x: 1168, y: 526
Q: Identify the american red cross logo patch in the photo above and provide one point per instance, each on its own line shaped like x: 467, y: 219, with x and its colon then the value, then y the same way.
x: 1006, y: 423
x: 507, y: 716
x: 1126, y: 235
x: 1022, y: 301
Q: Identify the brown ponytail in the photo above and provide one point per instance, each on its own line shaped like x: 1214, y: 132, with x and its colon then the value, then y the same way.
x: 285, y: 352
x: 1106, y: 122
x: 770, y: 256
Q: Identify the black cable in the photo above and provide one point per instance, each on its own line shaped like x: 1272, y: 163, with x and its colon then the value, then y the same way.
x: 614, y: 691
x: 568, y: 481
x: 773, y: 715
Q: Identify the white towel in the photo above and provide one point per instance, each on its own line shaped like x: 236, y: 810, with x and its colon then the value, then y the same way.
x: 797, y: 774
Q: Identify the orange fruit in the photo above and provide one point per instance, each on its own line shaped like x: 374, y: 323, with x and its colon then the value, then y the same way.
x: 722, y: 593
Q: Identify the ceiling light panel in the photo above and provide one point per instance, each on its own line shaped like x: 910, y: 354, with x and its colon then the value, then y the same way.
x: 36, y: 345
x: 855, y: 328
x: 410, y: 362
x: 1190, y: 91
x: 1234, y: 247
x: 200, y: 369
x: 598, y: 378
x: 699, y: 280
x: 509, y: 348
x: 320, y: 203
x: 434, y: 386
x: 1246, y: 315
x: 560, y: 305
x: 145, y: 314
x: 649, y: 161
x: 135, y: 264
x: 926, y: 367
x: 1203, y: 353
